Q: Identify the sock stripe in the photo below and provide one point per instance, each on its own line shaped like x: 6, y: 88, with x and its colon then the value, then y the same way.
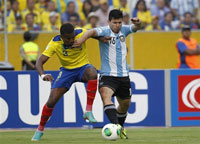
x: 109, y: 107
x: 121, y: 115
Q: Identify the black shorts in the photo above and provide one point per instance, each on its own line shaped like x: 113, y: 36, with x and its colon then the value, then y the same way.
x: 120, y: 85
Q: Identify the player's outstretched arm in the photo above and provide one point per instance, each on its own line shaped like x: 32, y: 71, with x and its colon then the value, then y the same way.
x: 137, y: 23
x: 85, y: 36
x: 39, y: 66
x: 103, y: 39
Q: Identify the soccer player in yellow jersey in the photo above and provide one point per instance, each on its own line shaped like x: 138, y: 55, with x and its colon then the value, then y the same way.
x: 75, y: 68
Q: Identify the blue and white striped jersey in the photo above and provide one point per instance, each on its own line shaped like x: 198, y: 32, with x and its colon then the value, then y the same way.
x: 114, y: 53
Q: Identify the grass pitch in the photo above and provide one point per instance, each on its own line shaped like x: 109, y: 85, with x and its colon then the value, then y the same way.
x: 179, y: 135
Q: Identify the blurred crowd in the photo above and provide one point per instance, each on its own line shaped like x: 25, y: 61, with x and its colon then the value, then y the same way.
x: 48, y: 15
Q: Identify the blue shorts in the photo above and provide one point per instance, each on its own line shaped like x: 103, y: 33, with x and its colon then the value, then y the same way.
x: 67, y: 77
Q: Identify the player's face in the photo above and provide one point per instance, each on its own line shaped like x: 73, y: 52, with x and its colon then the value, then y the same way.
x: 68, y: 39
x: 186, y: 34
x: 115, y: 25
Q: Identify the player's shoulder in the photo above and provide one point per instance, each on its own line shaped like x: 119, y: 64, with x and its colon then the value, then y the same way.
x: 103, y: 29
x: 79, y: 30
x: 56, y: 40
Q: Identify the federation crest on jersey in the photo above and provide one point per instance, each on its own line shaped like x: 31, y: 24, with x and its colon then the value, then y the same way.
x: 122, y: 38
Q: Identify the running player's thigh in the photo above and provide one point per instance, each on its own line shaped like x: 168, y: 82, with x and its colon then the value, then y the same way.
x: 89, y: 74
x: 55, y: 95
x: 106, y: 94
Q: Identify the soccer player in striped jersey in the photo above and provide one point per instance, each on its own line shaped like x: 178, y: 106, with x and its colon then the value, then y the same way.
x: 114, y: 74
x: 75, y: 67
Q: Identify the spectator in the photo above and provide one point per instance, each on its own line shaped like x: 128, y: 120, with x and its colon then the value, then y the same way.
x: 179, y: 7
x: 154, y: 25
x: 1, y: 20
x: 86, y: 9
x: 41, y: 6
x: 73, y: 19
x: 29, y: 23
x: 8, y: 8
x: 46, y: 13
x: 31, y: 9
x: 71, y: 9
x: 168, y: 24
x: 198, y: 16
x: 22, y: 5
x: 13, y: 13
x: 92, y: 21
x: 142, y: 13
x: 103, y: 13
x: 188, y: 50
x: 60, y: 5
x: 17, y: 26
x: 126, y: 18
x: 160, y: 9
x: 95, y: 5
x: 149, y: 3
x: 188, y: 20
x: 29, y: 52
x: 124, y: 6
x: 52, y: 26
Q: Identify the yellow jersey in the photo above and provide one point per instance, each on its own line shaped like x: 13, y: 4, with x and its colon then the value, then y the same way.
x: 70, y: 58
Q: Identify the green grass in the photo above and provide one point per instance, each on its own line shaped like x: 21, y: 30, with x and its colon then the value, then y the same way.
x: 179, y: 135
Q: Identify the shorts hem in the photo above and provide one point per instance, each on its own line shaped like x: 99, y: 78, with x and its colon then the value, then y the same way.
x: 108, y: 87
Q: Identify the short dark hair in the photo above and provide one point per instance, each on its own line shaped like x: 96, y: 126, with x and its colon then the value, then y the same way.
x: 66, y: 28
x: 115, y: 14
x: 27, y: 36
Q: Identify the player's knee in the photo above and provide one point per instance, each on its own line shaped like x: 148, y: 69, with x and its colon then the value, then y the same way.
x: 50, y: 104
x: 92, y: 76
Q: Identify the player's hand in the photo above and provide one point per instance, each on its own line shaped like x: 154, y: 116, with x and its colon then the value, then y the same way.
x: 105, y: 39
x: 47, y: 77
x: 135, y: 20
x: 77, y: 43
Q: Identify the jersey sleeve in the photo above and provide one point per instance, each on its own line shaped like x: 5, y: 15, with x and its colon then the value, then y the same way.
x: 79, y: 32
x: 102, y: 31
x: 181, y: 47
x: 50, y: 49
x: 127, y: 29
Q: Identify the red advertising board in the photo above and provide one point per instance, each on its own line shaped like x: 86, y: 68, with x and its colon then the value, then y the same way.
x: 189, y: 95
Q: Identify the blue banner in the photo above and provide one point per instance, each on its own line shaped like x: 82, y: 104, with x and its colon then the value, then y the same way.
x: 185, y: 100
x: 23, y: 95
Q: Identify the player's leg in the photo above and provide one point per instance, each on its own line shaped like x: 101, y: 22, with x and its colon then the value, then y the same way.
x: 60, y: 86
x: 55, y: 95
x: 123, y: 97
x: 90, y: 76
x: 122, y: 114
x: 122, y: 110
x: 107, y: 87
